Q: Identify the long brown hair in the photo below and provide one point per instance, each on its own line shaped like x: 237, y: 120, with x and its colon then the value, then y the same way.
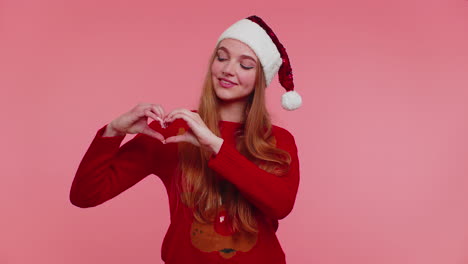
x: 200, y: 187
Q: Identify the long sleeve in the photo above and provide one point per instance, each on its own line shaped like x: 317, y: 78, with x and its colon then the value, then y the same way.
x: 273, y: 195
x: 107, y: 169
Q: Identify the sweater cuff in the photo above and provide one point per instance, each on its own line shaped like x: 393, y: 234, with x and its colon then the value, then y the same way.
x: 225, y: 159
x: 99, y: 139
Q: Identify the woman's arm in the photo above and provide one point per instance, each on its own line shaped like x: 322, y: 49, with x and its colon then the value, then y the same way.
x: 273, y: 195
x: 107, y: 169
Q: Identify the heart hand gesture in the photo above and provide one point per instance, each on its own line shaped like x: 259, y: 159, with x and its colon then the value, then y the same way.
x: 199, y: 135
x: 136, y: 121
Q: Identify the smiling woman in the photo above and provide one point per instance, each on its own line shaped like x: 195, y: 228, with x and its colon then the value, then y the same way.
x: 233, y: 72
x: 230, y: 174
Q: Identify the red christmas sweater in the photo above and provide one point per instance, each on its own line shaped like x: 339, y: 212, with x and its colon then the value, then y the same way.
x: 107, y: 170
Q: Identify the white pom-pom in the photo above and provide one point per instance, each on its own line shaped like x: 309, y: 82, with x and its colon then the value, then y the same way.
x: 291, y: 100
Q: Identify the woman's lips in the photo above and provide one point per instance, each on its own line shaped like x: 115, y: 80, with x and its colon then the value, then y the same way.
x: 226, y: 84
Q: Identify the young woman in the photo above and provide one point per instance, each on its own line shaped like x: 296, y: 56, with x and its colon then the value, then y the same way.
x: 229, y: 173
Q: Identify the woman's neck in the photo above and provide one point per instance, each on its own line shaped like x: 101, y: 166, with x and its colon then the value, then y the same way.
x: 233, y: 112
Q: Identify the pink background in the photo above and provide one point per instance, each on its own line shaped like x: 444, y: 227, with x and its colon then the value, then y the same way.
x: 382, y: 135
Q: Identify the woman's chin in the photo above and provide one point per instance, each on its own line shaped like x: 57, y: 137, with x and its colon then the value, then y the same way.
x: 230, y: 100
x: 228, y: 97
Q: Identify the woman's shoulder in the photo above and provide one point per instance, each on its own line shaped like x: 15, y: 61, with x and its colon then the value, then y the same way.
x: 282, y: 136
x: 281, y: 131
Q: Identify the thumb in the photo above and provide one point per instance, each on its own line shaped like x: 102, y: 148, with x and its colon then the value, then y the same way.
x: 186, y: 137
x: 152, y: 133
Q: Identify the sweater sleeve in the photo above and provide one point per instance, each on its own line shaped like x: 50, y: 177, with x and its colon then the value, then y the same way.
x: 107, y: 169
x: 271, y: 194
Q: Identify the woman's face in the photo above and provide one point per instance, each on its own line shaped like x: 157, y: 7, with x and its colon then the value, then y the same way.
x: 233, y: 70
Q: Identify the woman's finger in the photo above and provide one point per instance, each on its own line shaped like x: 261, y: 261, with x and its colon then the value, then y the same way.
x: 141, y: 107
x: 180, y: 111
x: 152, y: 115
x: 158, y: 109
x: 186, y: 137
x: 152, y: 133
x: 161, y: 112
x: 150, y: 112
x: 190, y: 122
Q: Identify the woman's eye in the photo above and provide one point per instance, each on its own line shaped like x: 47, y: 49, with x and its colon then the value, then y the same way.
x: 221, y: 59
x: 245, y: 67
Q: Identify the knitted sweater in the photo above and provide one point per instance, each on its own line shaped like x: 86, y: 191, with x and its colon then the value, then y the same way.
x: 107, y: 170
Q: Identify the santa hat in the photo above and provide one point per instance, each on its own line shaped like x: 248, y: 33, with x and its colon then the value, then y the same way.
x: 255, y: 33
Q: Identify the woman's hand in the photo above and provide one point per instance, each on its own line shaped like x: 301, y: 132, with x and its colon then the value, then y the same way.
x: 200, y: 135
x: 136, y: 121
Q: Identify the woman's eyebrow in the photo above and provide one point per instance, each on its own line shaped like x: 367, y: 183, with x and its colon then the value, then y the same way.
x: 248, y: 57
x: 242, y: 56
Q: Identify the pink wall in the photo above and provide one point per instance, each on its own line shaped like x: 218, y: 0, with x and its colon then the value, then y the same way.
x: 382, y: 135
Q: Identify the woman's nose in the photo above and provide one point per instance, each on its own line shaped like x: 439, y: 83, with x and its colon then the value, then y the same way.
x: 228, y: 68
